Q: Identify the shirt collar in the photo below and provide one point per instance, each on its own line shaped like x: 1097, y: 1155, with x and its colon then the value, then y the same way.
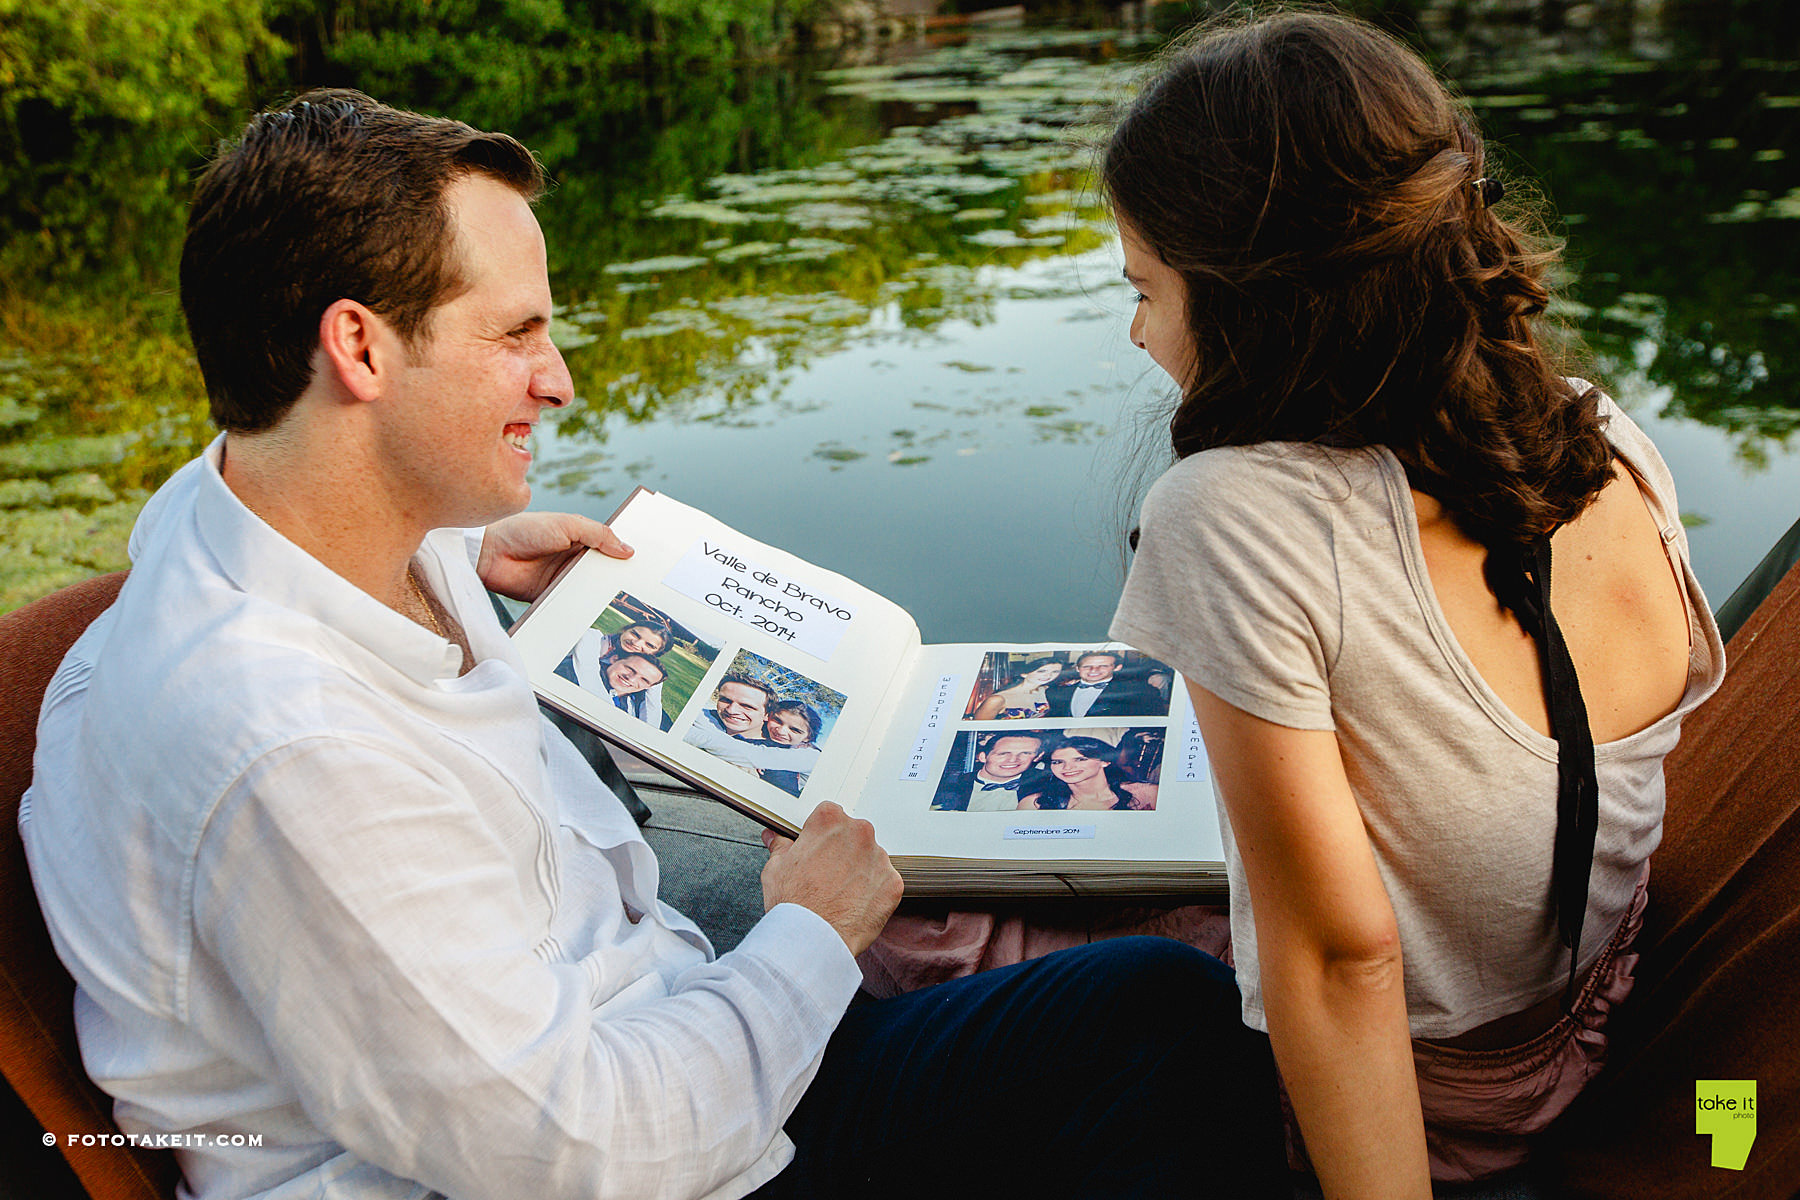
x: 260, y: 561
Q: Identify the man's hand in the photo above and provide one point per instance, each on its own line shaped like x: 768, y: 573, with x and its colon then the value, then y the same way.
x: 834, y: 868
x: 521, y: 554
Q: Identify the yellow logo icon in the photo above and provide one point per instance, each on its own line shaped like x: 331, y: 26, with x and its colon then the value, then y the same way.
x: 1726, y: 1109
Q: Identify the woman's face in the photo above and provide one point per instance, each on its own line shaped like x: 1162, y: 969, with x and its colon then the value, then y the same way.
x: 1043, y: 675
x: 1073, y: 767
x: 1159, y: 323
x: 641, y: 639
x: 788, y: 728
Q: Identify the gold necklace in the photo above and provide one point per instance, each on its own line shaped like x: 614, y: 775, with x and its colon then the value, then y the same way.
x: 430, y: 612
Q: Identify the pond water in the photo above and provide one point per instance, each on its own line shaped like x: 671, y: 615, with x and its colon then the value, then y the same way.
x: 870, y: 313
x: 946, y: 407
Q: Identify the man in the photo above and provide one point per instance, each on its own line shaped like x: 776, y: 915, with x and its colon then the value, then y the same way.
x: 595, y: 648
x: 345, y: 890
x: 732, y: 729
x: 628, y: 679
x: 1097, y: 693
x: 999, y: 780
x: 589, y: 664
x: 740, y: 707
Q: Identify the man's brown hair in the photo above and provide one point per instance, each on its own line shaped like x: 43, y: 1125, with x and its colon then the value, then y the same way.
x: 330, y: 196
x: 743, y: 680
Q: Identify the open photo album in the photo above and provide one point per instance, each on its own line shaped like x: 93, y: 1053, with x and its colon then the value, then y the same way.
x: 772, y: 684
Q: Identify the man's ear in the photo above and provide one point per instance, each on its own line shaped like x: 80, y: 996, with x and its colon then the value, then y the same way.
x: 358, y: 348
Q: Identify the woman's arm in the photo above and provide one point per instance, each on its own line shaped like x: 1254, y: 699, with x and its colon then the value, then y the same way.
x: 990, y: 708
x: 1328, y: 949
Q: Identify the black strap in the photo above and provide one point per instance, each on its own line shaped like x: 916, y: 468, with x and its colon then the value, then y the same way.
x: 1520, y: 579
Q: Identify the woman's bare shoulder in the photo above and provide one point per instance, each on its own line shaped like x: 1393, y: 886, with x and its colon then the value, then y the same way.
x: 1618, y: 595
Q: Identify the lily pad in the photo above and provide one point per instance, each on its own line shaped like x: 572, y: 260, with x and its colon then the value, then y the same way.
x: 14, y: 413
x: 829, y: 215
x: 81, y: 487
x: 24, y: 493
x: 709, y: 211
x: 657, y: 266
x: 809, y: 250
x: 743, y: 250
x: 61, y: 454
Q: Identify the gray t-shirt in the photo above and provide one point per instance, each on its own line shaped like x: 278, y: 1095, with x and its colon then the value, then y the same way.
x: 1288, y: 580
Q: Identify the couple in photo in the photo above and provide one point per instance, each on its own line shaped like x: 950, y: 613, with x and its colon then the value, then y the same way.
x: 625, y: 667
x: 1096, y: 690
x: 752, y: 727
x: 1044, y: 771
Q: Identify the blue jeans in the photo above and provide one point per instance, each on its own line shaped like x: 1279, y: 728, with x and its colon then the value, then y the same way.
x: 1120, y: 1069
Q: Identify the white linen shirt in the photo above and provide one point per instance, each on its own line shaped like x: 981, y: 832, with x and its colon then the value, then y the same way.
x: 319, y: 891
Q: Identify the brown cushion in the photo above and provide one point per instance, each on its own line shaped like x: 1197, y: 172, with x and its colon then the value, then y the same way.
x: 1718, y: 995
x: 37, y: 1025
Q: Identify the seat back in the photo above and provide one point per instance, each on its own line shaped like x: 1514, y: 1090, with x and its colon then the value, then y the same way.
x: 37, y: 1022
x: 1719, y: 979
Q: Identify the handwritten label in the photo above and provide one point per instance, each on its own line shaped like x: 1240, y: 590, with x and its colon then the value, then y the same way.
x: 727, y: 582
x: 939, y: 711
x: 1040, y: 833
x: 1190, y: 765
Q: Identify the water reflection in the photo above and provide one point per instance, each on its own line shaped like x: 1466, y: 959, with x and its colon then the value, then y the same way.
x: 970, y: 176
x: 964, y: 322
x: 871, y: 314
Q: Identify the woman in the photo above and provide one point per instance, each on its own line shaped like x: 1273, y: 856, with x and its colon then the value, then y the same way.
x: 585, y: 665
x: 1083, y: 775
x: 1024, y: 696
x: 1349, y: 564
x: 793, y: 724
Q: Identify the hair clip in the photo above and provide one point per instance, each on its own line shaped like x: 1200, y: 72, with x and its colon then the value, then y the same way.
x: 1490, y: 190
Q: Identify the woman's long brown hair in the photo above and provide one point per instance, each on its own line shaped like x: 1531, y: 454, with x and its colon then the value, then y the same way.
x: 1348, y: 284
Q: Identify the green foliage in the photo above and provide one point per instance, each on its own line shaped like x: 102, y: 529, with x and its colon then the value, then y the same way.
x: 505, y: 63
x: 101, y: 107
x: 100, y: 401
x: 1682, y: 239
x: 106, y: 108
x: 710, y: 200
x: 490, y: 62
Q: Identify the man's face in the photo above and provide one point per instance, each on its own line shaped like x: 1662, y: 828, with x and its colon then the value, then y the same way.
x: 454, y: 430
x: 1096, y: 668
x: 741, y: 709
x: 633, y: 673
x: 1008, y: 758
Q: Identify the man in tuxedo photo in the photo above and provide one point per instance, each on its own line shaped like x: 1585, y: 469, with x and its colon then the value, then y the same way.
x: 1004, y: 763
x: 1099, y: 691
